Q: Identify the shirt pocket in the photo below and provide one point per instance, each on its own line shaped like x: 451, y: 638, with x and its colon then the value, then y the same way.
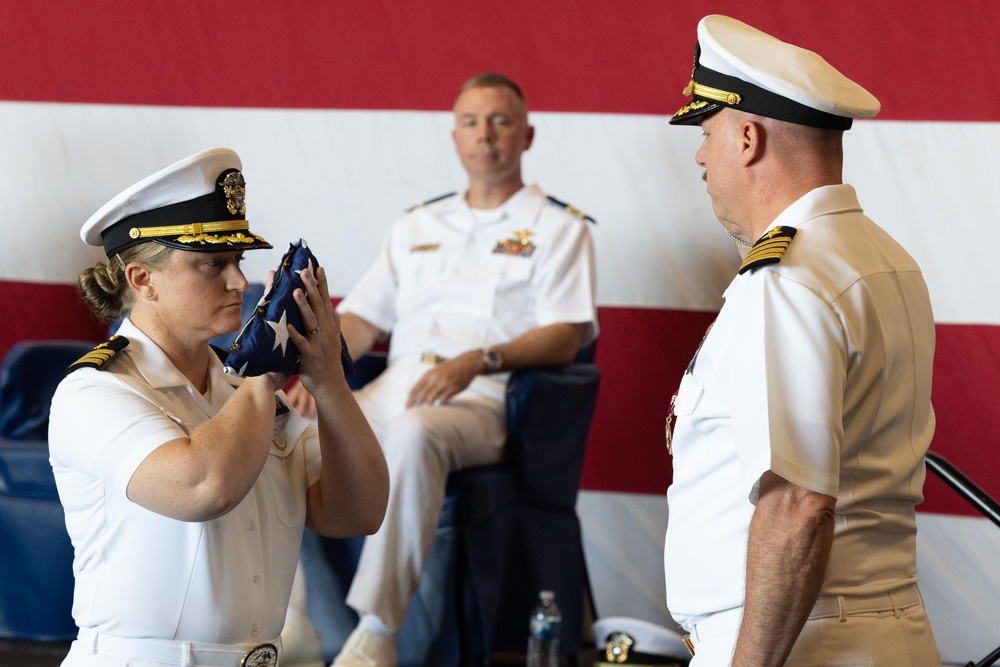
x: 424, y: 287
x: 418, y: 267
x: 512, y: 269
x: 285, y: 472
x: 507, y: 286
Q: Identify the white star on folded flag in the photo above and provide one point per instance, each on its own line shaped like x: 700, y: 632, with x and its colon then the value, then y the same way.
x: 280, y: 332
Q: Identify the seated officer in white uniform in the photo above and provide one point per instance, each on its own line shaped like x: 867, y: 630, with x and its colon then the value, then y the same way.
x: 471, y: 286
x: 803, y: 420
x: 186, y: 490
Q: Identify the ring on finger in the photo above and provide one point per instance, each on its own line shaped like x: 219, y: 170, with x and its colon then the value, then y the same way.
x: 312, y: 332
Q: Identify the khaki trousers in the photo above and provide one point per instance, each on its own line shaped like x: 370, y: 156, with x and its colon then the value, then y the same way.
x: 890, y: 630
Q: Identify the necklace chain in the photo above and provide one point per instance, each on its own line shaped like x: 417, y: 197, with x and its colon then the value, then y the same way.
x: 740, y: 241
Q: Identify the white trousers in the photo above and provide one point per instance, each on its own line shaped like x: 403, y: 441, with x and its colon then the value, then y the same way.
x: 422, y: 446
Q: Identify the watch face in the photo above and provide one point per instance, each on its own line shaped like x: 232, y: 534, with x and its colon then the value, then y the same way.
x: 492, y: 360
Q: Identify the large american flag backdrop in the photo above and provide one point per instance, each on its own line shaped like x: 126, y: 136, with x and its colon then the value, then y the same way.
x: 340, y: 113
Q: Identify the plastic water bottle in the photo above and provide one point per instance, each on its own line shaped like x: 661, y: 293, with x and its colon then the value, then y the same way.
x: 543, y: 632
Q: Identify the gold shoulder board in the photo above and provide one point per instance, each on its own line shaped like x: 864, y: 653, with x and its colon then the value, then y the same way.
x: 768, y: 249
x: 100, y: 355
x: 430, y: 201
x: 570, y: 209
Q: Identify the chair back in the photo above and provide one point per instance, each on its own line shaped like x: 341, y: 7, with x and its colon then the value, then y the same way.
x: 36, y: 561
x: 552, y: 409
x: 30, y: 372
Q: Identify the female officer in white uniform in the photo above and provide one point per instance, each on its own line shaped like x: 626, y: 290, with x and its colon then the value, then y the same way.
x: 186, y: 490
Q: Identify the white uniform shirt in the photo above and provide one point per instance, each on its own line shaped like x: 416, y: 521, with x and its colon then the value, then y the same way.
x: 141, y: 574
x: 445, y: 282
x: 819, y: 369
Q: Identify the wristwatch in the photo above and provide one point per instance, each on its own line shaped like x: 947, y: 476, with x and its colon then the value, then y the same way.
x: 492, y: 360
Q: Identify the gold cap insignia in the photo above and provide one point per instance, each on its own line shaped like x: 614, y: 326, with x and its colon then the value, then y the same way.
x: 617, y: 646
x: 234, y: 188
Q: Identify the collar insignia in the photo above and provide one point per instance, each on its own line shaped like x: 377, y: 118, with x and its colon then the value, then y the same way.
x: 100, y: 356
x: 768, y: 249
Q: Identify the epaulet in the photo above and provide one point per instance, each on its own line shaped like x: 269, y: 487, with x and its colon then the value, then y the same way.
x: 570, y: 209
x: 430, y: 201
x: 100, y: 355
x: 768, y: 249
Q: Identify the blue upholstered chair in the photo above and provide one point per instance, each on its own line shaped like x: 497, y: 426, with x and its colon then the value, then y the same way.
x: 36, y: 557
x: 506, y: 532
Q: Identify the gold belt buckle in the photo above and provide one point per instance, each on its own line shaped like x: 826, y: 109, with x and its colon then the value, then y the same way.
x: 429, y: 358
x: 264, y: 655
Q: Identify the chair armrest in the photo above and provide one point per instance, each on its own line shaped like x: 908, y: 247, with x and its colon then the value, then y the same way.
x: 366, y: 369
x: 549, y: 410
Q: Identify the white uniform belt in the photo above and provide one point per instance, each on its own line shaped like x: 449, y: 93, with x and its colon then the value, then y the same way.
x: 827, y: 606
x: 190, y: 654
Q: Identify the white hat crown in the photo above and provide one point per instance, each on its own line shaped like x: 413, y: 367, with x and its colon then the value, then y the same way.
x: 739, y: 66
x: 197, y: 203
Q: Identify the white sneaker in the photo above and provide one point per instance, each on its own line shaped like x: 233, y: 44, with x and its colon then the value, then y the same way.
x: 367, y: 649
x: 301, y: 646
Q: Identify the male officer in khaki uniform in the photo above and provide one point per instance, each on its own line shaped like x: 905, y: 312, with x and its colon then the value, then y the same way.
x: 802, y: 422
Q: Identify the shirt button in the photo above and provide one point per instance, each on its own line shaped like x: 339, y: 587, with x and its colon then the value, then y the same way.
x: 256, y: 577
x: 254, y: 630
x: 253, y: 525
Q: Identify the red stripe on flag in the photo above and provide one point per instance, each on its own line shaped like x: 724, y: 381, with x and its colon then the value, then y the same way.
x: 966, y: 398
x: 614, y: 57
x: 642, y: 354
x: 40, y: 311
